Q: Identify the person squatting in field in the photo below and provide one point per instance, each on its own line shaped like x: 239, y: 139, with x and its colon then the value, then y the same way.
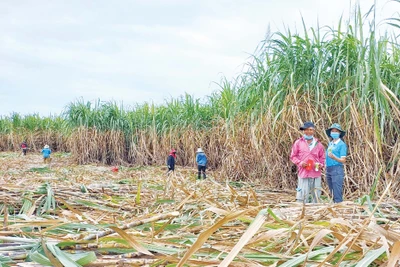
x: 46, y: 151
x: 309, y: 156
x: 171, y: 161
x: 201, y: 160
x: 335, y: 158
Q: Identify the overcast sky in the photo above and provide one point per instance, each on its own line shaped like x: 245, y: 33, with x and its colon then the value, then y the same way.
x: 55, y: 52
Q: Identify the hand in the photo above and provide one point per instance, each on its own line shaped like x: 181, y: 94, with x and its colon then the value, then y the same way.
x: 331, y: 156
x: 320, y: 167
x: 303, y: 164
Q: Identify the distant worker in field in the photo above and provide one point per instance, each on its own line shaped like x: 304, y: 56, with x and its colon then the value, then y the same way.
x: 201, y: 160
x: 309, y: 156
x: 24, y: 148
x: 171, y: 161
x: 335, y: 158
x: 46, y: 151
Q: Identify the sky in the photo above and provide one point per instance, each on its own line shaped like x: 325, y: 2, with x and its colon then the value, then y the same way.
x: 56, y: 52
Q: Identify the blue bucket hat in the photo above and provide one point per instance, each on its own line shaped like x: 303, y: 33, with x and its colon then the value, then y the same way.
x: 335, y: 126
x: 307, y: 125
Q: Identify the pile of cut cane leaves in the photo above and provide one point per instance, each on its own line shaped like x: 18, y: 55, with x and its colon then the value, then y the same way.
x: 87, y: 215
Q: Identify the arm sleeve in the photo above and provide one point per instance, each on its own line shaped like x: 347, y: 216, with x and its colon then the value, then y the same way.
x: 294, y: 155
x: 322, y: 156
x: 343, y: 150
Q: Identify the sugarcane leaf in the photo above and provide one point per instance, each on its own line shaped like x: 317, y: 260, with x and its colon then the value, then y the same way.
x: 207, y: 233
x: 62, y: 257
x: 137, y: 198
x: 371, y: 256
x: 394, y: 255
x: 53, y: 260
x: 301, y: 258
x: 250, y: 232
x: 83, y: 258
x: 131, y: 241
x: 40, y: 258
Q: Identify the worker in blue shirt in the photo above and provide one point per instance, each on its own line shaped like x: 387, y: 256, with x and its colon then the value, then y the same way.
x: 201, y: 160
x: 335, y: 158
x: 46, y: 151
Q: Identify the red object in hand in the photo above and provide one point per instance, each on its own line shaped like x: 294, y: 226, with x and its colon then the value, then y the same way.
x: 115, y: 169
x: 310, y: 164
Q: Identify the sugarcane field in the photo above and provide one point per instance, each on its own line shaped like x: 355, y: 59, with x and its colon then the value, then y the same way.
x: 294, y: 162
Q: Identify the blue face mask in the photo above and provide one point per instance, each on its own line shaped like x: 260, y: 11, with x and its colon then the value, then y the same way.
x: 335, y: 135
x: 308, y: 137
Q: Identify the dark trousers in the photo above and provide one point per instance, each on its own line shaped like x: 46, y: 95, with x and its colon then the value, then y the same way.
x: 334, y: 177
x: 24, y: 151
x: 201, y: 170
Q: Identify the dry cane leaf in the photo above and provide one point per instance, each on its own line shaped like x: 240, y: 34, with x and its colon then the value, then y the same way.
x: 50, y: 256
x: 207, y: 233
x: 253, y: 228
x: 131, y: 241
x: 394, y: 255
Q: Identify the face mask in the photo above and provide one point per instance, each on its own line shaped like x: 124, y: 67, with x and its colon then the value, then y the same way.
x: 335, y: 135
x: 308, y: 137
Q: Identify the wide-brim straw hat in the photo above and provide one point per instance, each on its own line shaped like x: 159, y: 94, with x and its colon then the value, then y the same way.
x: 199, y: 150
x: 337, y: 127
